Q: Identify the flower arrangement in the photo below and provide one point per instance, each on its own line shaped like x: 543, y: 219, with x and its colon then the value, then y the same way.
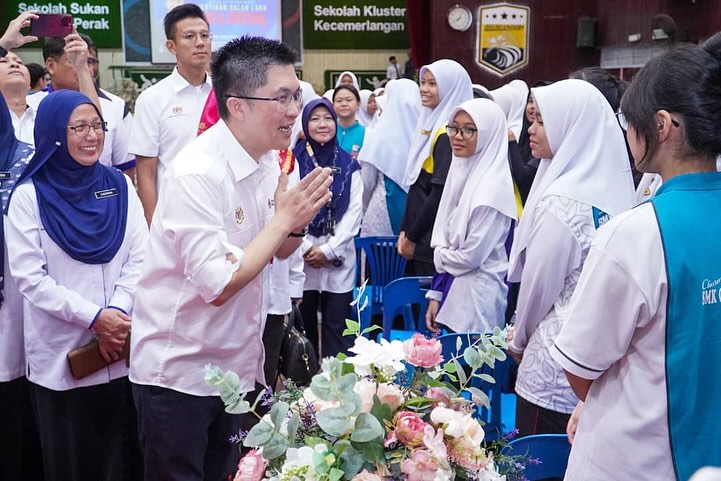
x: 390, y: 410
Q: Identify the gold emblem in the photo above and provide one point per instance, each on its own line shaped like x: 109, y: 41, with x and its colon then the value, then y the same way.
x: 503, y: 37
x: 239, y: 216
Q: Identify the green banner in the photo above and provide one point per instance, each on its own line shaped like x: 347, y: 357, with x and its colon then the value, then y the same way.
x: 370, y: 25
x: 100, y: 19
x: 368, y: 79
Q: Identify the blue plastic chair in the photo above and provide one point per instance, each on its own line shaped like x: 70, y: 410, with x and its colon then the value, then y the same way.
x: 551, y: 449
x: 399, y: 296
x: 493, y: 417
x: 385, y: 265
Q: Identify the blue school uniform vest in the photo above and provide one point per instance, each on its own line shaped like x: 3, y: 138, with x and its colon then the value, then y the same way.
x: 688, y: 211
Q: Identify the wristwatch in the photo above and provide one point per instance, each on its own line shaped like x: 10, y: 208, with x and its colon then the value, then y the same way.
x: 299, y: 234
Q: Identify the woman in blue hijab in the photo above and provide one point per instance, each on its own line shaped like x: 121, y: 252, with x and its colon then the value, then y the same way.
x: 75, y: 236
x: 328, y: 249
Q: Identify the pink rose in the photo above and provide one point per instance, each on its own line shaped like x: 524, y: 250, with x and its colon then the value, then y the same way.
x: 408, y: 428
x: 366, y: 476
x: 422, y: 352
x: 251, y: 467
x: 420, y: 467
x: 438, y: 396
x: 389, y: 394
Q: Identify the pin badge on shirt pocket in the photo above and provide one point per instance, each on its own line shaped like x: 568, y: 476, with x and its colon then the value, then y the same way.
x: 239, y: 216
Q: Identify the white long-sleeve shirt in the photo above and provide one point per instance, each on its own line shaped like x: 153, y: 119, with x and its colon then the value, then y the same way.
x: 476, y: 301
x: 63, y: 295
x: 340, y: 246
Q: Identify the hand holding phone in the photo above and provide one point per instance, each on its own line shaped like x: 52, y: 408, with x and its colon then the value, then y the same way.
x: 52, y: 25
x: 13, y: 37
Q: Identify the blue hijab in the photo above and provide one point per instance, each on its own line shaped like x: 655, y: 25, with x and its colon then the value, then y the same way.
x: 326, y: 155
x: 84, y: 209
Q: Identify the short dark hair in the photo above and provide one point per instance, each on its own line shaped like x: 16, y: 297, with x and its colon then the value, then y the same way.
x: 686, y: 81
x: 607, y: 83
x: 241, y: 66
x: 89, y: 41
x: 350, y: 88
x: 54, y: 48
x: 37, y: 72
x: 391, y: 58
x: 181, y: 12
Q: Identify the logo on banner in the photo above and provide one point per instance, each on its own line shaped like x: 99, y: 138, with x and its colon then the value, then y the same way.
x: 503, y: 37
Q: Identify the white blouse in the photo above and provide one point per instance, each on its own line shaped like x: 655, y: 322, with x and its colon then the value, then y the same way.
x: 63, y: 295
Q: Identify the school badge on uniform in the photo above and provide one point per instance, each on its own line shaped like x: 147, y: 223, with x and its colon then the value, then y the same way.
x: 177, y: 110
x: 503, y: 37
x: 239, y: 215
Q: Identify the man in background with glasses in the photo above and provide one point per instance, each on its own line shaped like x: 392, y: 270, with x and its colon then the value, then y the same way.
x: 224, y: 211
x: 167, y: 114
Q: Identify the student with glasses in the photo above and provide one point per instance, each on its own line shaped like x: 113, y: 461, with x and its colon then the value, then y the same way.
x: 468, y: 291
x: 167, y: 114
x: 223, y: 214
x: 76, y: 242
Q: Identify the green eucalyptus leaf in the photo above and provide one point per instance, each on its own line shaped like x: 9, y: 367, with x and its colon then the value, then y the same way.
x: 371, y: 452
x: 479, y: 397
x: 278, y: 413
x: 322, y: 387
x: 352, y: 325
x: 374, y: 327
x: 351, y: 462
x: 259, y: 435
x: 472, y: 357
x: 334, y: 421
x: 239, y: 406
x: 460, y: 372
x: 367, y: 428
x: 486, y: 377
x: 346, y: 383
x: 449, y: 367
x: 335, y: 474
x: 382, y: 412
x: 497, y: 353
x: 313, y: 441
x: 459, y: 344
x: 293, y: 425
x: 276, y: 447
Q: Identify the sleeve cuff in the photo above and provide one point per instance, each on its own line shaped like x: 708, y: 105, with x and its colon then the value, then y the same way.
x: 92, y: 323
x: 573, y: 366
x: 434, y: 295
x: 327, y: 252
x: 512, y: 347
x: 122, y: 302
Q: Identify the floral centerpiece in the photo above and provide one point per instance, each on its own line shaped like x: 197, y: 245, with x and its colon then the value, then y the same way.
x: 390, y: 410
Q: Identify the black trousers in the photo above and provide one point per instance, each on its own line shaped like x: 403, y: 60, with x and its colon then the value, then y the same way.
x: 272, y: 340
x: 20, y: 454
x: 87, y: 433
x: 185, y: 437
x: 533, y: 419
x: 334, y: 309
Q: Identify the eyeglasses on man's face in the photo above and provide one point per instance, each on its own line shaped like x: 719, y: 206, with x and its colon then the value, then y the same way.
x: 466, y: 132
x: 283, y: 100
x: 81, y: 130
x: 190, y: 36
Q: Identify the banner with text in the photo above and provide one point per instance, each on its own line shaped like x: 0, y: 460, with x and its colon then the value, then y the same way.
x: 100, y: 19
x: 339, y: 24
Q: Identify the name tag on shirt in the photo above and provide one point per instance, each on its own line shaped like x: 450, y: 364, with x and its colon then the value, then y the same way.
x: 5, y: 176
x: 102, y: 194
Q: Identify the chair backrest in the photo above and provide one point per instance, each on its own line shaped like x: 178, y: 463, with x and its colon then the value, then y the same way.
x: 384, y: 262
x: 551, y: 449
x: 400, y: 295
x: 500, y: 372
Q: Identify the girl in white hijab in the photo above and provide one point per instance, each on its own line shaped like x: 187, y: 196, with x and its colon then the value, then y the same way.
x: 348, y: 77
x: 468, y: 292
x: 512, y: 100
x: 383, y: 159
x: 583, y: 180
x: 367, y: 110
x: 445, y: 84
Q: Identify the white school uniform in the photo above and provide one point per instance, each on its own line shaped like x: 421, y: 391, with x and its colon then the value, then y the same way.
x: 166, y: 119
x: 340, y: 246
x: 472, y: 225
x: 217, y: 203
x: 62, y: 295
x: 618, y: 340
x: 24, y: 125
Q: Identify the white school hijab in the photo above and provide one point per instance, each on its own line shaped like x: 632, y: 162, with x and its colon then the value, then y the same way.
x: 308, y: 95
x: 512, y: 98
x: 589, y: 164
x: 454, y: 88
x: 483, y: 179
x: 386, y: 145
x: 352, y: 76
x: 328, y: 95
x: 478, y: 89
x: 364, y: 118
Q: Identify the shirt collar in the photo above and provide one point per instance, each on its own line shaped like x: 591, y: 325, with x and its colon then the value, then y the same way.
x: 179, y: 83
x: 241, y: 163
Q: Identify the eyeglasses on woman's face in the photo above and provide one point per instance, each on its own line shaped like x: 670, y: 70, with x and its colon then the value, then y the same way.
x: 81, y: 130
x: 466, y: 132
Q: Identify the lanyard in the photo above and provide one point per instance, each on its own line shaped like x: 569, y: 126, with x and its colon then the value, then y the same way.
x: 329, y: 225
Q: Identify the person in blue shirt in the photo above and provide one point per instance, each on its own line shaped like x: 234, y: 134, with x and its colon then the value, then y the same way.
x: 350, y: 132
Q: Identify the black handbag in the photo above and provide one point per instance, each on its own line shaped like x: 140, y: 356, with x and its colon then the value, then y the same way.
x: 297, y: 356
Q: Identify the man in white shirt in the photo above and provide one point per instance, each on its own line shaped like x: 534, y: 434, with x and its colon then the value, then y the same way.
x: 167, y: 114
x: 393, y: 72
x: 222, y: 215
x: 14, y: 85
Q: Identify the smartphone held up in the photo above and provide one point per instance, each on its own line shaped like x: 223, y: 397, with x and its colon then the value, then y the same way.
x: 51, y: 25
